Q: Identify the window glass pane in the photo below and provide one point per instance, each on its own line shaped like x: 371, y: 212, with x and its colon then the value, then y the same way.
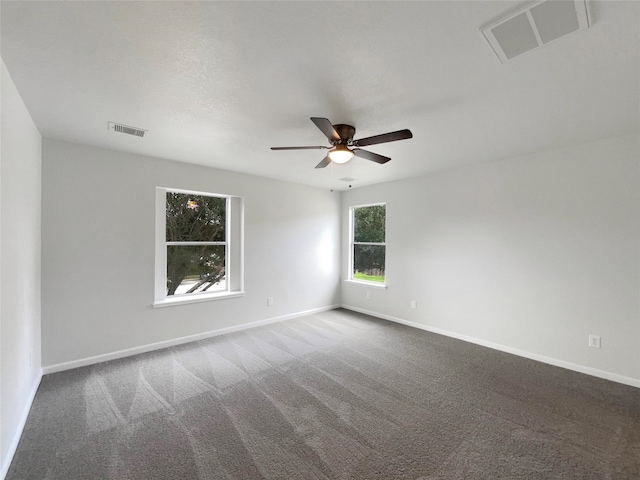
x: 368, y: 224
x: 368, y: 262
x: 195, y: 269
x: 195, y: 218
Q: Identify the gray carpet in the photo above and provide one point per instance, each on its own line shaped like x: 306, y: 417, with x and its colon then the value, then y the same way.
x: 336, y: 395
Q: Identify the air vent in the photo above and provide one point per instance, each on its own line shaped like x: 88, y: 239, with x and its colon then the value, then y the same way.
x: 535, y: 25
x: 347, y: 179
x: 117, y: 127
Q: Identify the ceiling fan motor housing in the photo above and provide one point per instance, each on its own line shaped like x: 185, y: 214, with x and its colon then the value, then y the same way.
x: 346, y: 133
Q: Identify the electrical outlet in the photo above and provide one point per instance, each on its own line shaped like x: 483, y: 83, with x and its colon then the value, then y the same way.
x: 368, y: 295
x: 594, y: 341
x: 414, y: 304
x: 269, y: 301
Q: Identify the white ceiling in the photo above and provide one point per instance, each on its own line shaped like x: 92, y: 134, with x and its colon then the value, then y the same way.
x: 218, y: 83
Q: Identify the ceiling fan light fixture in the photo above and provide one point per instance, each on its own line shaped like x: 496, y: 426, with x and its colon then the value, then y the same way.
x: 340, y: 154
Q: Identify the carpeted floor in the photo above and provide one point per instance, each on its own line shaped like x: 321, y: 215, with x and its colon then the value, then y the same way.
x: 336, y: 395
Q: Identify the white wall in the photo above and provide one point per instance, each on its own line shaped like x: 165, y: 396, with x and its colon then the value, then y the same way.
x: 20, y: 155
x: 98, y: 251
x: 530, y: 254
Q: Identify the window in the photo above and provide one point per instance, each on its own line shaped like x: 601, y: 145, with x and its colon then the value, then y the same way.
x: 198, y: 246
x: 368, y: 249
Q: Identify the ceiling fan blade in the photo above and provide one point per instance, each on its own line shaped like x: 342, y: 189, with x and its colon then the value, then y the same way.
x: 374, y: 157
x: 298, y: 148
x: 326, y: 161
x: 325, y: 126
x: 384, y: 138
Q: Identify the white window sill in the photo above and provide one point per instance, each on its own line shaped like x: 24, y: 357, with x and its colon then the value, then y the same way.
x: 367, y: 284
x: 205, y: 297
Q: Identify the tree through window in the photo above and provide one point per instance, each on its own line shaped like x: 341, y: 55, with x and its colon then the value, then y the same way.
x: 196, y: 243
x: 368, y: 246
x: 199, y: 245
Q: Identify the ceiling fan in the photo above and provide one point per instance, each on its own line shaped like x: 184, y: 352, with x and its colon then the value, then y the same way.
x: 344, y: 147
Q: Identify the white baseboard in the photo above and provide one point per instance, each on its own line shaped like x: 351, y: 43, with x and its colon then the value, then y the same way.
x: 59, y: 367
x: 634, y: 382
x: 6, y: 462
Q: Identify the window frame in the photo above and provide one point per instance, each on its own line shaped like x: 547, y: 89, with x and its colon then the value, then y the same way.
x: 234, y: 250
x: 353, y: 243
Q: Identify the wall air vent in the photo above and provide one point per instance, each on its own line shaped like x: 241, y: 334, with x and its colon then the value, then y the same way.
x: 117, y: 127
x: 535, y: 25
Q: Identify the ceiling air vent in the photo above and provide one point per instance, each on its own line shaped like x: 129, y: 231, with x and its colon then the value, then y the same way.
x: 117, y: 127
x: 535, y: 25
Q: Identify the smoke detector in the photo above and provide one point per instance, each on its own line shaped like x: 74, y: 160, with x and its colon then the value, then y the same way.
x: 118, y: 127
x: 535, y: 25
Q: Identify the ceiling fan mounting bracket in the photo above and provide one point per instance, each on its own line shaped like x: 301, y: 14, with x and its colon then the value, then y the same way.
x: 346, y: 133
